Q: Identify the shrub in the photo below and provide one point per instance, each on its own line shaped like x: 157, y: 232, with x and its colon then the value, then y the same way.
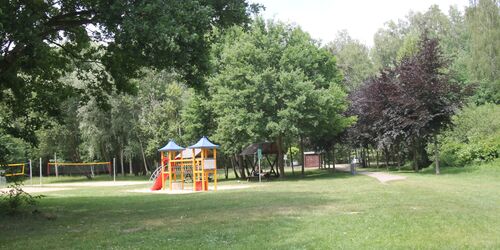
x: 474, y: 137
x: 16, y: 200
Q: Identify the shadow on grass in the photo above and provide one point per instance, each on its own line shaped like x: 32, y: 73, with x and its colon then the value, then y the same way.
x: 449, y: 170
x: 309, y: 175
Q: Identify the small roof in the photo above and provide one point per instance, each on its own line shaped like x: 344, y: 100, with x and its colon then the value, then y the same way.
x: 204, y: 143
x: 171, y: 146
x: 311, y: 153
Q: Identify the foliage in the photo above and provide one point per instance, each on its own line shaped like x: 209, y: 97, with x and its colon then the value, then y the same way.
x: 409, y: 103
x: 483, y: 22
x: 15, y: 199
x: 12, y: 149
x: 475, y: 136
x: 387, y: 42
x: 471, y: 40
x: 50, y: 39
x: 353, y: 60
x: 196, y: 118
x: 271, y: 83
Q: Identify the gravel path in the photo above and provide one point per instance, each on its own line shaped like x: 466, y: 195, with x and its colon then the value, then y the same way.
x: 381, y: 176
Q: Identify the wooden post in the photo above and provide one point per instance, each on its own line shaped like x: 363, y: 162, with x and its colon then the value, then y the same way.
x: 182, y: 165
x: 194, y: 169
x: 215, y: 169
x: 203, y: 156
x: 162, y: 172
x: 170, y: 170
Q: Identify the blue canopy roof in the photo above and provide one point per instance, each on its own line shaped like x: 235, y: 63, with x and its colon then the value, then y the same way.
x: 204, y: 143
x: 171, y: 146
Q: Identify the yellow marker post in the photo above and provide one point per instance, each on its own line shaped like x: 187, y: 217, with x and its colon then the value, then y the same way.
x: 215, y: 169
x: 162, y: 172
x: 170, y: 169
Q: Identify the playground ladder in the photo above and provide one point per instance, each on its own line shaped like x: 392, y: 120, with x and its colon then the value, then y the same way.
x: 155, y: 174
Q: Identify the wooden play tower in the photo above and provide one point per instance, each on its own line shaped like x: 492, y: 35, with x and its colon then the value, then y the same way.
x: 198, y: 161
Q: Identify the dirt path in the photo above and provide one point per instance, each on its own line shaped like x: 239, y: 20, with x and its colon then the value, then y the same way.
x: 381, y: 176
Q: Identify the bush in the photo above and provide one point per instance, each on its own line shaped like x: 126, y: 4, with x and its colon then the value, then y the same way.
x: 474, y: 138
x: 16, y: 200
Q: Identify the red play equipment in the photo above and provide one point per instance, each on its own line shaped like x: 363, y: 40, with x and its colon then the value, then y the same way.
x: 157, y: 185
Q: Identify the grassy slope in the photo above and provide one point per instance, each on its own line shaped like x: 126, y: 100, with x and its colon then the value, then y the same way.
x: 460, y: 209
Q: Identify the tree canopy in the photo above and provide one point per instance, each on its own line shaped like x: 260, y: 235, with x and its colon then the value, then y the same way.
x: 272, y: 83
x: 105, y: 44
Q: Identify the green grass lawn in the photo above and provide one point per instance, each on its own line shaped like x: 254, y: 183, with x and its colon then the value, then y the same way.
x: 459, y: 209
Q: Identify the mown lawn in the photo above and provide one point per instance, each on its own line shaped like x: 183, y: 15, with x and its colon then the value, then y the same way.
x: 459, y: 209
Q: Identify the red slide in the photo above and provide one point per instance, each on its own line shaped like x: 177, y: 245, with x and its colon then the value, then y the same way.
x: 157, y: 185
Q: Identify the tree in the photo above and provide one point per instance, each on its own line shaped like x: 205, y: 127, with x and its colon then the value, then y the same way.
x: 483, y: 24
x: 411, y: 102
x: 386, y: 44
x: 105, y: 43
x: 353, y: 60
x: 197, y: 118
x: 269, y: 84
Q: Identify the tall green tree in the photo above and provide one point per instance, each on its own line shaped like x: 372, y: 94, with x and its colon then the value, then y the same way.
x: 353, y: 59
x: 270, y: 84
x: 483, y: 25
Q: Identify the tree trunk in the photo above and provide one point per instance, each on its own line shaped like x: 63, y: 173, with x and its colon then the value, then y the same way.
x: 240, y: 165
x: 130, y: 165
x: 376, y: 151
x: 122, y: 165
x: 349, y: 156
x: 333, y: 157
x: 415, y: 160
x: 302, y: 154
x: 143, y: 155
x: 398, y: 156
x: 386, y: 154
x: 233, y: 163
x: 281, y: 166
x: 226, y: 170
x: 291, y: 160
x: 368, y: 157
x: 436, y: 157
x: 363, y: 157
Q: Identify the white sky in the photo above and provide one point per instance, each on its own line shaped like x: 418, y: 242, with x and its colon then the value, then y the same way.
x: 361, y: 18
